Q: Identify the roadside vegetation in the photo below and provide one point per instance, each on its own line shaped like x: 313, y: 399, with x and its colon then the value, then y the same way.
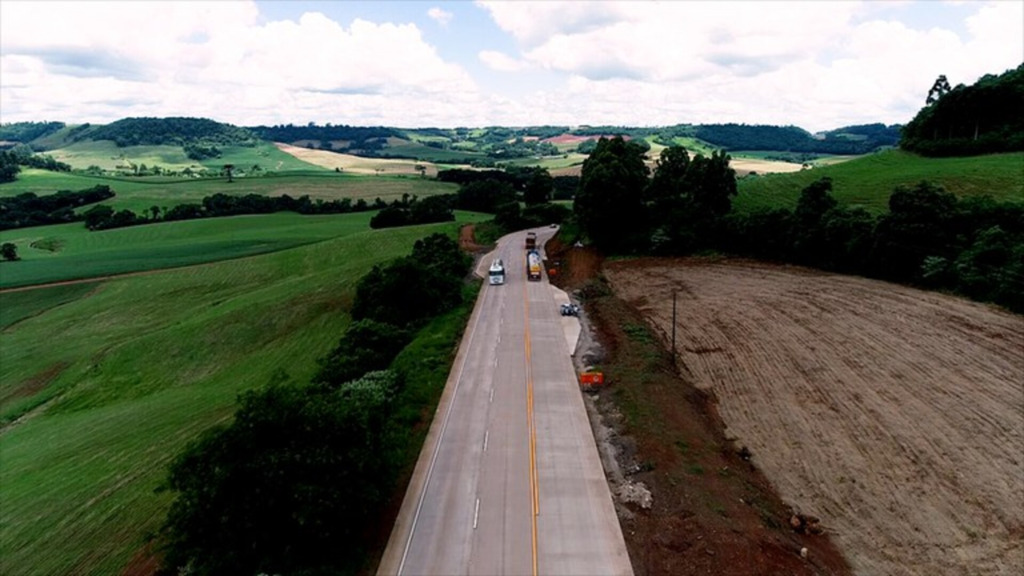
x: 293, y: 483
x: 927, y: 238
x: 148, y: 363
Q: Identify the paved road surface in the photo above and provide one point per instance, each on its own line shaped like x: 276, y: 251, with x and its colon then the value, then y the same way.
x: 509, y: 480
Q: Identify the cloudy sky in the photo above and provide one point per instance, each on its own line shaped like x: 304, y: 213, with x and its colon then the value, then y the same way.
x: 814, y: 64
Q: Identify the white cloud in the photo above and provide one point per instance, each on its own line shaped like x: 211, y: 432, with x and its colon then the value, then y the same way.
x: 440, y: 16
x: 500, y: 61
x: 819, y: 65
x: 816, y: 64
x: 101, y: 62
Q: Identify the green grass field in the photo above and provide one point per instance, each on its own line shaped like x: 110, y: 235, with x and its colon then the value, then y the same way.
x: 868, y: 181
x: 139, y: 194
x: 112, y: 379
x: 551, y: 162
x: 108, y: 156
x: 419, y: 151
x: 70, y: 251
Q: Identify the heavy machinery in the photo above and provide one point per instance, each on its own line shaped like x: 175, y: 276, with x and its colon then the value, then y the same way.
x: 533, y: 265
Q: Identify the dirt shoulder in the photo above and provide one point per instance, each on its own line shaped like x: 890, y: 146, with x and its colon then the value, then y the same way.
x: 689, y: 502
x: 895, y: 415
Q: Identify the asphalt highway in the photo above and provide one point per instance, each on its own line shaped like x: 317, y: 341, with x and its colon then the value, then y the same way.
x: 509, y: 480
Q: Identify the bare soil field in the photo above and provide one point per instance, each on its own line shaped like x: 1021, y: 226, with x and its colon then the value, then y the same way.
x: 894, y: 415
x: 357, y: 164
x: 744, y: 166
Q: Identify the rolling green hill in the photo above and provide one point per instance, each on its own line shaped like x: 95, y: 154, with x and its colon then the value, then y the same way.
x: 868, y: 181
x: 105, y: 154
x: 111, y: 379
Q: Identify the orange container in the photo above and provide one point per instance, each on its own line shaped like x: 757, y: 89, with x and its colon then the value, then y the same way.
x: 591, y: 379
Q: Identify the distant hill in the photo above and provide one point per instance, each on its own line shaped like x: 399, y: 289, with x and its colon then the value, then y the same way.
x: 204, y: 139
x: 329, y: 137
x: 25, y: 132
x: 174, y: 131
x: 850, y: 140
x: 868, y: 181
x: 985, y: 117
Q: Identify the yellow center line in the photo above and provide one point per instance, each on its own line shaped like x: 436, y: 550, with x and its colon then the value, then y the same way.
x: 534, y: 492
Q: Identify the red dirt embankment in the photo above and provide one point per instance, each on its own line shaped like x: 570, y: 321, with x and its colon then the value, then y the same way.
x: 709, y: 510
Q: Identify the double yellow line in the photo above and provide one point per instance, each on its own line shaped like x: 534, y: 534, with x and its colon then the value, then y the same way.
x: 531, y: 426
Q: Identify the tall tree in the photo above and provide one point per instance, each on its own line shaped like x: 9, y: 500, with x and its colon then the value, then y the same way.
x: 538, y: 187
x: 688, y: 198
x: 917, y: 226
x: 809, y: 219
x: 610, y: 201
x: 289, y: 486
x: 939, y: 89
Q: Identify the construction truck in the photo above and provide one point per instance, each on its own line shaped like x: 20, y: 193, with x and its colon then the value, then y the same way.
x: 531, y: 240
x: 533, y: 265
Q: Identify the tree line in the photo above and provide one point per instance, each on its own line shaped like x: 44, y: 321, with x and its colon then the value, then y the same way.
x: 849, y: 140
x: 28, y: 209
x: 928, y: 238
x: 979, y: 119
x: 296, y: 483
x: 105, y: 217
x: 20, y: 155
x: 355, y: 135
x: 412, y: 210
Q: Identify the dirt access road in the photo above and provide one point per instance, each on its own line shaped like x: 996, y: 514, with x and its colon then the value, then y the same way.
x: 895, y: 415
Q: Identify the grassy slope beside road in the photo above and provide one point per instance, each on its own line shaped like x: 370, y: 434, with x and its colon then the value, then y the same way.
x: 868, y: 181
x: 112, y: 382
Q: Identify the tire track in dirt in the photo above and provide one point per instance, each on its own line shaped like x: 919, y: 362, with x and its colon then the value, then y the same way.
x: 895, y: 415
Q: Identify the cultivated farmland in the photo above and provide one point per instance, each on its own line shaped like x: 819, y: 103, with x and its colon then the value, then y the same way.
x: 103, y: 383
x: 359, y: 164
x: 70, y: 251
x: 894, y: 415
x: 139, y: 194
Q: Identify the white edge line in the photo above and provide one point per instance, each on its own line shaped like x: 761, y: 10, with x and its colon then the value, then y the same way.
x: 437, y: 447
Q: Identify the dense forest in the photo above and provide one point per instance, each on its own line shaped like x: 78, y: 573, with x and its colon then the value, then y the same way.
x: 26, y: 132
x: 172, y: 131
x: 985, y: 117
x: 850, y: 140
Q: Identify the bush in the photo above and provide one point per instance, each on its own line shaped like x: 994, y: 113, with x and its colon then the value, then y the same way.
x: 413, y: 288
x: 367, y: 345
x: 288, y: 486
